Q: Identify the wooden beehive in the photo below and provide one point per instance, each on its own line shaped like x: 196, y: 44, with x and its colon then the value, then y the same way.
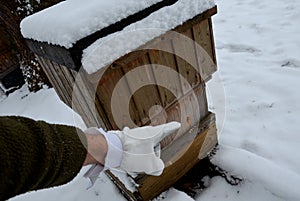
x: 182, y: 98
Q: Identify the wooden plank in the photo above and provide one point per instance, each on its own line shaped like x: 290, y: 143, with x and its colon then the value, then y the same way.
x: 185, y: 58
x: 57, y: 76
x: 188, y: 110
x: 142, y: 86
x: 88, y: 91
x: 151, y: 186
x: 180, y: 145
x: 206, y: 58
x: 80, y: 98
x: 65, y: 82
x: 105, y: 89
x: 213, y: 43
x: 48, y: 69
x: 171, y: 89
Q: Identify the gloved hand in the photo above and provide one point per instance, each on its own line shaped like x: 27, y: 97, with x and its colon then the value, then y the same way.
x: 138, y: 145
x: 132, y: 150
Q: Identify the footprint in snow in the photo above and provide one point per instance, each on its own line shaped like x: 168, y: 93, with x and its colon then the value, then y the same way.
x: 291, y: 63
x: 240, y: 48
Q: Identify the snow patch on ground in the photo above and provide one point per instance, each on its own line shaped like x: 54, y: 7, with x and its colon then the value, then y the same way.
x: 43, y: 105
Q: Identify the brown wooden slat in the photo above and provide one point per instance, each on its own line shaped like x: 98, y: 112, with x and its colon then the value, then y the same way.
x: 188, y: 110
x: 203, y: 37
x: 62, y: 83
x: 48, y: 69
x: 78, y: 97
x: 66, y: 82
x: 213, y: 42
x: 183, y: 46
x: 146, y: 96
x: 88, y: 92
x: 161, y: 59
x: 105, y: 90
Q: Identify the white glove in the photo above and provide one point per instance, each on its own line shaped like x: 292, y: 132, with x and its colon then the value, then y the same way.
x: 138, y: 144
x: 132, y: 150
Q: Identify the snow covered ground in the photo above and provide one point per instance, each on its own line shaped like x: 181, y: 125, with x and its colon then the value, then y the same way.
x: 258, y: 53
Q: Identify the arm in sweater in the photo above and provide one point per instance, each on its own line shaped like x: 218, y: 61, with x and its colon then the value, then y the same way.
x: 36, y: 155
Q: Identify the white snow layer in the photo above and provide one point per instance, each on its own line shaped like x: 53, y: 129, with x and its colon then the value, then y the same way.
x: 66, y: 22
x: 106, y: 50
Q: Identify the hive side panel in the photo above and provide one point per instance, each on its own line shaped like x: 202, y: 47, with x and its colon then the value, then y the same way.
x: 206, y: 59
x: 159, y: 59
x: 189, y: 110
x: 63, y: 80
x: 105, y: 90
x: 183, y: 157
x: 81, y: 99
x: 66, y: 83
x: 186, y: 60
x: 88, y: 90
x: 54, y: 79
x: 213, y: 42
x: 142, y: 85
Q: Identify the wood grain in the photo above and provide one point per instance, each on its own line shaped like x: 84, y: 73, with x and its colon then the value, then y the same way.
x: 205, y: 53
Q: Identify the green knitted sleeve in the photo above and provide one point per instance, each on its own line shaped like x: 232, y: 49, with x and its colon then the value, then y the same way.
x: 36, y: 155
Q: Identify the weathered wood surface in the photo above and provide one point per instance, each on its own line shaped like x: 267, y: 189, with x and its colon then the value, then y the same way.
x: 185, y: 67
x: 142, y: 86
x: 187, y: 76
x: 63, y: 81
x: 172, y: 88
x: 105, y: 89
x: 90, y: 98
x: 203, y: 35
x: 198, y: 142
x: 54, y: 79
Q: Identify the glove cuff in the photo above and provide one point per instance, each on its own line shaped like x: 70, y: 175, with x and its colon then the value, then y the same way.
x: 114, y: 154
x: 113, y: 157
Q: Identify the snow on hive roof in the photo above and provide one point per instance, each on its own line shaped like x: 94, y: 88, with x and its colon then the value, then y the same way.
x: 69, y: 21
x: 107, y: 49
